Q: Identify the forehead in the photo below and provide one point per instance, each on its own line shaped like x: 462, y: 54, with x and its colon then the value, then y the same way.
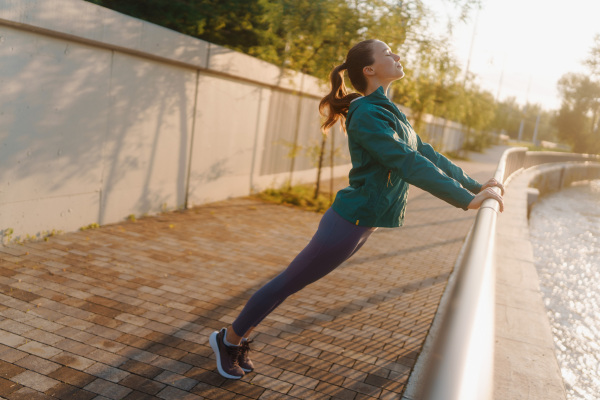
x: 380, y: 46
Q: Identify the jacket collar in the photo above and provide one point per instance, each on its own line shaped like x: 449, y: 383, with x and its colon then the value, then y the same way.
x: 378, y: 97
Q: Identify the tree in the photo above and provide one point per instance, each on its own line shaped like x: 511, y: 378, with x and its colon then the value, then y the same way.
x: 238, y: 24
x: 593, y: 60
x: 507, y: 117
x: 431, y: 83
x: 577, y: 120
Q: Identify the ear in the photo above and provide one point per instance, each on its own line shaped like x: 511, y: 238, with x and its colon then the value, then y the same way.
x: 368, y: 70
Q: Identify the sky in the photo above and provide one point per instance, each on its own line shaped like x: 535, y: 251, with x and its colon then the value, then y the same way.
x: 521, y: 48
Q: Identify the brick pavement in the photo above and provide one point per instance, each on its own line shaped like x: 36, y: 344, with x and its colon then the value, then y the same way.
x: 124, y: 311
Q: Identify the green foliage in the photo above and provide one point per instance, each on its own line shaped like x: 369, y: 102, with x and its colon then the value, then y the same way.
x: 304, y: 35
x: 431, y: 84
x: 480, y: 109
x: 578, y: 120
x: 593, y: 60
x: 300, y: 196
x: 7, y: 235
x: 478, y: 141
x: 90, y: 226
x: 507, y: 117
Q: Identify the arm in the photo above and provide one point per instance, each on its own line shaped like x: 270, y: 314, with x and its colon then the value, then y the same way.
x: 448, y: 167
x: 386, y: 147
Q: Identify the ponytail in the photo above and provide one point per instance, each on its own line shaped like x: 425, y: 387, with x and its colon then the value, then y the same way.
x: 334, y: 106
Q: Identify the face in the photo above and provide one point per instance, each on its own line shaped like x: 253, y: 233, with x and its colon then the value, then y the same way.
x: 386, y: 66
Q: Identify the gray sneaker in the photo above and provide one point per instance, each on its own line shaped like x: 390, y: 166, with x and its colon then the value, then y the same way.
x: 227, y: 357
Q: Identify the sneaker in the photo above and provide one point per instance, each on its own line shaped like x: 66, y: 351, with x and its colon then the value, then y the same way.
x: 227, y: 357
x: 243, y: 360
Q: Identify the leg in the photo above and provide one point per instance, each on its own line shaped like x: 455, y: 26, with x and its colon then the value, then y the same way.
x: 335, y: 241
x: 234, y: 339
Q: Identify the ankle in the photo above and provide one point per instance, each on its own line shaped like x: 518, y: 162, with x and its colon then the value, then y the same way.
x: 231, y: 339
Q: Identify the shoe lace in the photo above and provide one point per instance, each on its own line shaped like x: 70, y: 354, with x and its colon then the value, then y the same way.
x: 234, y: 353
x: 245, y: 349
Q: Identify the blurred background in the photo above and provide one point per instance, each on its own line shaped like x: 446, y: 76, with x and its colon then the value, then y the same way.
x: 527, y: 71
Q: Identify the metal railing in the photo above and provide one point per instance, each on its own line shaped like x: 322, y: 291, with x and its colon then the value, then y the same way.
x: 460, y: 363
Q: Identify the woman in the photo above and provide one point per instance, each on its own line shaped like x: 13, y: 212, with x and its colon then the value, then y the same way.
x: 387, y: 155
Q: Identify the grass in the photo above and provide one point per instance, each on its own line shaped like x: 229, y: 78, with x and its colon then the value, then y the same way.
x: 300, y: 196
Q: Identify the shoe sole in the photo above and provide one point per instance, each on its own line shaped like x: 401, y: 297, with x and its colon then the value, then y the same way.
x: 215, y: 346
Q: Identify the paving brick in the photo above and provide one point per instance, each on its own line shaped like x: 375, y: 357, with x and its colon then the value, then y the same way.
x: 15, y: 327
x: 8, y: 370
x: 140, y: 368
x: 10, y: 355
x: 215, y: 393
x: 171, y: 365
x: 271, y: 383
x: 10, y: 339
x: 106, y: 372
x: 135, y: 395
x: 7, y: 387
x: 25, y: 393
x: 243, y: 388
x: 72, y: 376
x: 167, y: 351
x: 34, y: 380
x: 142, y: 384
x: 72, y: 360
x: 362, y: 387
x: 170, y: 392
x: 106, y: 357
x: 335, y: 391
x: 299, y: 380
x: 176, y: 380
x: 305, y: 393
x: 38, y: 364
x: 107, y: 389
x: 64, y: 391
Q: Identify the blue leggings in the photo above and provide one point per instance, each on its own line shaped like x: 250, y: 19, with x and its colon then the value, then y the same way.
x: 335, y: 241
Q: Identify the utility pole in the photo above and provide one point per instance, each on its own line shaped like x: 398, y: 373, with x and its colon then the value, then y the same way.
x: 471, y: 48
x: 501, y: 78
x: 525, y: 110
x: 535, y: 130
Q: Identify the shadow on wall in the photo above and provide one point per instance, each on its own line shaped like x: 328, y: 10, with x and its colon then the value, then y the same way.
x: 106, y: 133
x: 92, y: 135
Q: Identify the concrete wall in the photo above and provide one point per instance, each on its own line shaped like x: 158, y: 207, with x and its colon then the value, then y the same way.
x: 103, y: 116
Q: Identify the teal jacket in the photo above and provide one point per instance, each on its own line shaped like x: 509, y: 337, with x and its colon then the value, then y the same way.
x: 387, y: 155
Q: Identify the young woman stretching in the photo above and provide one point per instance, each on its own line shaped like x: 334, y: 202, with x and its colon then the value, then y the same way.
x: 387, y: 156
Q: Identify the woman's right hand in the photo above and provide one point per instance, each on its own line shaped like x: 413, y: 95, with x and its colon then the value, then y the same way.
x: 485, y: 194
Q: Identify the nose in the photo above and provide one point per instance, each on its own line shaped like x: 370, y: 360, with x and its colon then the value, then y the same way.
x: 396, y: 57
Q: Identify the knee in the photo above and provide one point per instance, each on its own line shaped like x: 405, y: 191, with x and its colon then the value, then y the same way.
x: 280, y: 288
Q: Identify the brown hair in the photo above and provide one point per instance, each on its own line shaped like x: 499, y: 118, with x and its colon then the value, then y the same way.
x: 335, y: 104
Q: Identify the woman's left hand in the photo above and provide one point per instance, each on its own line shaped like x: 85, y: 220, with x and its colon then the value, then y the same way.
x: 492, y: 183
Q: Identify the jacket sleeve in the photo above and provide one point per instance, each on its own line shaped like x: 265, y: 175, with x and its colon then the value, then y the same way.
x: 375, y: 135
x: 451, y: 169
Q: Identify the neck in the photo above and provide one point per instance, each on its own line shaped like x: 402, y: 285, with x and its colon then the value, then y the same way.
x: 374, y: 84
